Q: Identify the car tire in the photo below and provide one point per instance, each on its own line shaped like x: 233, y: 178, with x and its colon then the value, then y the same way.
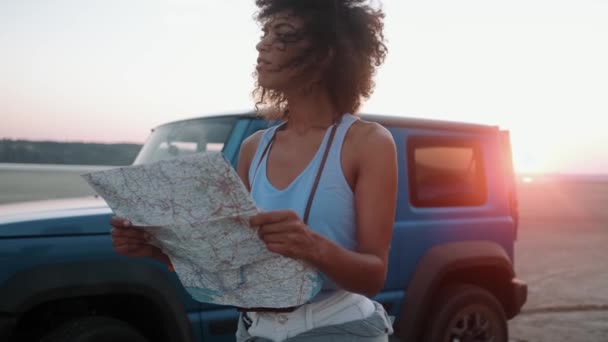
x: 466, y: 312
x: 95, y: 329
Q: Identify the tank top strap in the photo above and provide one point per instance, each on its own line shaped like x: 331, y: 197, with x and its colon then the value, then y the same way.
x: 255, y: 161
x: 347, y: 121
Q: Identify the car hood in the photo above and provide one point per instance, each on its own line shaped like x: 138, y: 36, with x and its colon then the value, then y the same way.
x: 82, y: 215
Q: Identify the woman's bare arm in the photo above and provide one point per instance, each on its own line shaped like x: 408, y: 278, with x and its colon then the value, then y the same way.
x: 364, y: 270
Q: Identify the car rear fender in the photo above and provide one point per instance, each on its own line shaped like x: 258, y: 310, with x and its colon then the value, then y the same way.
x: 437, y: 265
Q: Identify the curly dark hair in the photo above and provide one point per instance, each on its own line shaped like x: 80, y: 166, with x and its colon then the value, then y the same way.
x: 351, y: 29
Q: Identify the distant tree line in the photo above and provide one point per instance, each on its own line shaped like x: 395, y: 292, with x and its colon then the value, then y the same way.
x: 52, y: 152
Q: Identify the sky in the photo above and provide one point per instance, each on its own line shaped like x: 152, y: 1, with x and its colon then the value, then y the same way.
x: 110, y: 70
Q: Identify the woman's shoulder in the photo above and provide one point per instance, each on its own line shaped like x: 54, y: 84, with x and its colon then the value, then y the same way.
x: 250, y: 144
x: 367, y: 144
x: 254, y: 139
x: 369, y: 136
x: 370, y: 152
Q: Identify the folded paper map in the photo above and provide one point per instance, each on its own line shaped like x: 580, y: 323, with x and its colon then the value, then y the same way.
x: 197, y: 210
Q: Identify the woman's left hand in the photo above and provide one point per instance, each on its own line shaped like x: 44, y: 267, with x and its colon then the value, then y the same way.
x: 284, y: 233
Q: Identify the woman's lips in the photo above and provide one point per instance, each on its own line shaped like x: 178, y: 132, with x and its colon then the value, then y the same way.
x: 262, y: 64
x: 262, y: 61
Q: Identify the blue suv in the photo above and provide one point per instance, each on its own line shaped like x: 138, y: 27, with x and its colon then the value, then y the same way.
x: 451, y: 274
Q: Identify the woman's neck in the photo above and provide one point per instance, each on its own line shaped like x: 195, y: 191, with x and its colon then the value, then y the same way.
x: 309, y: 111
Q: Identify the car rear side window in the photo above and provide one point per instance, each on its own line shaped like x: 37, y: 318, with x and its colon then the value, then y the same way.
x: 445, y: 172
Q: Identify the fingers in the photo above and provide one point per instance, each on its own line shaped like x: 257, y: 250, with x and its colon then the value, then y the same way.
x: 131, y: 248
x: 119, y: 222
x: 127, y: 248
x: 270, y: 217
x: 122, y: 223
x: 275, y: 228
x: 278, y: 248
x: 130, y: 233
x: 130, y: 241
x: 280, y: 232
x: 143, y: 251
x: 124, y: 233
x: 116, y: 242
x: 279, y: 238
x: 135, y: 250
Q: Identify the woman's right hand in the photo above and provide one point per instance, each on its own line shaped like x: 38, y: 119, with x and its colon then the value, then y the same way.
x: 132, y: 241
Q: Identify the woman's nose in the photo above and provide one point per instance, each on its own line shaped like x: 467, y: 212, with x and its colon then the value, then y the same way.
x: 262, y: 45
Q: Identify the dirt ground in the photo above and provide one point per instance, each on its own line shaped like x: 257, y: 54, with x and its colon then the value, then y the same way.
x: 21, y: 182
x: 561, y: 253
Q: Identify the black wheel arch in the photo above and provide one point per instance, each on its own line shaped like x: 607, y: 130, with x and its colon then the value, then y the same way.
x: 43, y: 284
x: 482, y: 263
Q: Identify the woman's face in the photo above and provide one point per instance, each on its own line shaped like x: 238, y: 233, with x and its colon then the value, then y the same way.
x: 281, y: 51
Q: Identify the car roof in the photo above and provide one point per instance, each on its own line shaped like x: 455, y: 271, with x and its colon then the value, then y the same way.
x: 385, y: 120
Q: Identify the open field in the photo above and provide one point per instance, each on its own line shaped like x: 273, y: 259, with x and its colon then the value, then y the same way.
x: 28, y: 182
x: 561, y: 252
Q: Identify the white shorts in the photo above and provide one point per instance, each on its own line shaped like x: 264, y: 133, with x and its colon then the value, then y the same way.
x: 341, y: 307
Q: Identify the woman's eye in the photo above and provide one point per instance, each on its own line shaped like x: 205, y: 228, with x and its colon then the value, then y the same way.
x: 288, y: 37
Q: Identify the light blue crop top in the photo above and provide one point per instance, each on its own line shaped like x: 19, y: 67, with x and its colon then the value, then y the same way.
x: 332, y: 213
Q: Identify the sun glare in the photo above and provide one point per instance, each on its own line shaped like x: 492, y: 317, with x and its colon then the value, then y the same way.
x: 527, y: 179
x: 525, y: 161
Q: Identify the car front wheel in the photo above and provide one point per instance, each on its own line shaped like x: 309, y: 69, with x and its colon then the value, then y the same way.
x: 95, y: 329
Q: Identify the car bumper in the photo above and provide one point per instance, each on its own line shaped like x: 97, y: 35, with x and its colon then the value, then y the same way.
x: 519, y: 293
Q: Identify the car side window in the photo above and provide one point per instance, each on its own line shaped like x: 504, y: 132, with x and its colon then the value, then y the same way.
x: 445, y: 172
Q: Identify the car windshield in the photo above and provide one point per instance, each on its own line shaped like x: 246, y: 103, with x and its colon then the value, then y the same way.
x: 186, y: 137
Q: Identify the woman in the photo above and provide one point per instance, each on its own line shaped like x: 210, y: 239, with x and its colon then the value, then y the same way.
x: 325, y: 180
